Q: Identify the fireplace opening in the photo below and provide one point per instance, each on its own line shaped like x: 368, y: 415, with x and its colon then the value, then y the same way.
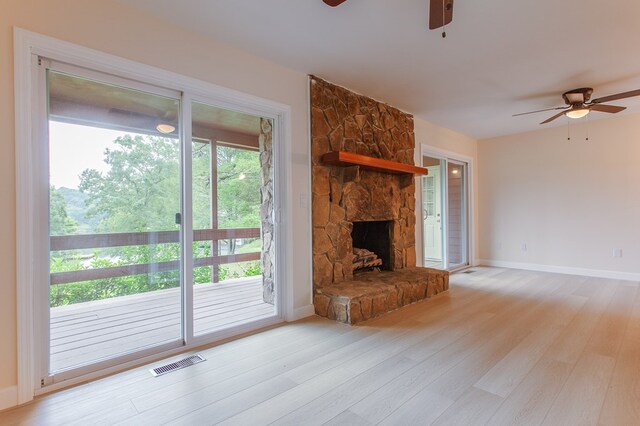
x: 372, y: 245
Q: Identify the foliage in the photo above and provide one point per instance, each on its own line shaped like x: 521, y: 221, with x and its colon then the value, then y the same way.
x: 140, y: 193
x: 238, y: 188
x: 141, y: 190
x: 76, y: 210
x: 239, y: 270
x: 59, y: 221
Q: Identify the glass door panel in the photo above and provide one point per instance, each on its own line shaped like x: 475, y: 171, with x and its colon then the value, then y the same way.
x: 432, y: 213
x: 114, y: 200
x: 233, y: 249
x: 456, y: 215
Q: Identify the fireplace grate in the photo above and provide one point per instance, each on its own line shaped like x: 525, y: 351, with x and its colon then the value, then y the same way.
x: 168, y: 368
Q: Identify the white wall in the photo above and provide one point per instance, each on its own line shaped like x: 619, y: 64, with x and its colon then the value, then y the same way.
x: 117, y: 29
x: 571, y: 202
x: 444, y: 139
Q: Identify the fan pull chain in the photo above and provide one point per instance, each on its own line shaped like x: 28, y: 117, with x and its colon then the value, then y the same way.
x: 568, y: 129
x: 587, y: 138
x: 444, y: 25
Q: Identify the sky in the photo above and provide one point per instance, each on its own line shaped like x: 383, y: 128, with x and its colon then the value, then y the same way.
x: 74, y: 148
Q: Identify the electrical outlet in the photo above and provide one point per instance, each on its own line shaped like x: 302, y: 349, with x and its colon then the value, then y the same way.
x: 617, y: 252
x: 523, y: 246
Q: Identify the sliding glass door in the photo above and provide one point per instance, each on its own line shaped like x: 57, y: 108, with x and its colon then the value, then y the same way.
x: 445, y: 213
x: 114, y: 195
x: 157, y: 240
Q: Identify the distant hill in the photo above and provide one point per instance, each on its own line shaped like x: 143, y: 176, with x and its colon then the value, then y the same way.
x: 76, y: 208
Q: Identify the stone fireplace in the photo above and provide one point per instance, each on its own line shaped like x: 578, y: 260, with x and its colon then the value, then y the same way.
x: 355, y: 205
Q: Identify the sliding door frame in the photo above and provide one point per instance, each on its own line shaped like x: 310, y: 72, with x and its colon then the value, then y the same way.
x: 454, y: 158
x: 32, y: 223
x: 42, y: 342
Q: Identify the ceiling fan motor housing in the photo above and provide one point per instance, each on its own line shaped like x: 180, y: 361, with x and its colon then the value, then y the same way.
x: 577, y: 96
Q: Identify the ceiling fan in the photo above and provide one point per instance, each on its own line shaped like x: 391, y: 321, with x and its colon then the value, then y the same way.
x: 578, y: 104
x: 440, y: 12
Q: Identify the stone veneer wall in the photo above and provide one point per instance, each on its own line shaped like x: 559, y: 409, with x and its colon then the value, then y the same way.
x: 265, y: 141
x: 345, y: 121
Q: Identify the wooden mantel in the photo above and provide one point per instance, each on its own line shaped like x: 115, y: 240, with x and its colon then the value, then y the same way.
x: 346, y: 159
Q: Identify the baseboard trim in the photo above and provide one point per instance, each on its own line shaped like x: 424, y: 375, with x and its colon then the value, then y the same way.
x: 302, y: 312
x: 597, y: 273
x: 8, y: 397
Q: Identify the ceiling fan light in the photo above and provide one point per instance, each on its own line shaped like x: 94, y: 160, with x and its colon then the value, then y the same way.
x: 577, y: 113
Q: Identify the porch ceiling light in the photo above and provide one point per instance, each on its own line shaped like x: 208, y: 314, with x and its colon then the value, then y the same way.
x: 165, y: 128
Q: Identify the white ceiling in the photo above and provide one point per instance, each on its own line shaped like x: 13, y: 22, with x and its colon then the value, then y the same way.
x: 500, y: 57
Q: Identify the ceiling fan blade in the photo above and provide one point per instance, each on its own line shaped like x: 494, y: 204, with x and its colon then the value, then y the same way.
x: 617, y: 96
x: 334, y: 3
x: 558, y: 115
x: 541, y: 110
x: 436, y: 13
x: 607, y: 108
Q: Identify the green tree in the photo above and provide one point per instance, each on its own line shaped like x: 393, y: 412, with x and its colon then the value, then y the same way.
x: 141, y: 190
x: 59, y: 221
x: 238, y: 188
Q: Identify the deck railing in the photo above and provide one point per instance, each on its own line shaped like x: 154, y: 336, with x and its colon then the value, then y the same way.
x: 80, y: 242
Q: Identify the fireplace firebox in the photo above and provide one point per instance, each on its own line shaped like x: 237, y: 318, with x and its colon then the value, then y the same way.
x: 376, y: 237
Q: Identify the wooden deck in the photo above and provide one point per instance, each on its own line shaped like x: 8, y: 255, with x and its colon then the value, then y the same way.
x: 87, y: 332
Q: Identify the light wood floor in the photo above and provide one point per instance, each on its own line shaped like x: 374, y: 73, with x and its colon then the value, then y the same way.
x: 86, y: 332
x: 502, y: 347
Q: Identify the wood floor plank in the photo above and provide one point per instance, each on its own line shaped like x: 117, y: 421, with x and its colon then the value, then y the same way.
x: 622, y: 402
x: 347, y: 418
x: 502, y: 347
x: 529, y: 403
x: 330, y: 404
x: 499, y: 342
x: 261, y: 371
x: 507, y: 373
x: 607, y: 337
x: 580, y: 399
x: 437, y: 355
x: 570, y: 344
x: 227, y: 407
x: 422, y: 408
x: 475, y: 407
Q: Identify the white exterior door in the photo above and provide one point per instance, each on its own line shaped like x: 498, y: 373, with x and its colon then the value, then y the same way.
x: 432, y: 214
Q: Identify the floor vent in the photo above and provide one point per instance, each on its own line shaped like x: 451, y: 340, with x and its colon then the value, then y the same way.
x: 164, y: 369
x: 468, y: 271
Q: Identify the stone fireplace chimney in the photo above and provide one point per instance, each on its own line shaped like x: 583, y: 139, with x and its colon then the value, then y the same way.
x: 343, y: 121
